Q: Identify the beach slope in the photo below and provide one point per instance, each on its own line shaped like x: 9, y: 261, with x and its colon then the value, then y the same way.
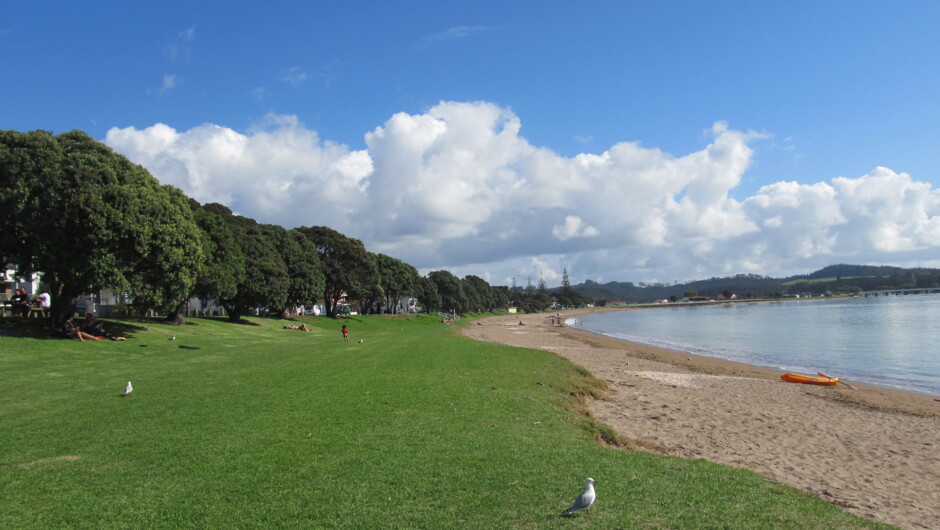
x: 872, y: 451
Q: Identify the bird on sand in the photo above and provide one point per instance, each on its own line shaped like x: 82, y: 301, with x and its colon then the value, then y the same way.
x: 585, y: 500
x: 128, y: 389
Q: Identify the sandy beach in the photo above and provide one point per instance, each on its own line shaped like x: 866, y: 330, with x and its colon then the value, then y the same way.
x: 873, y: 451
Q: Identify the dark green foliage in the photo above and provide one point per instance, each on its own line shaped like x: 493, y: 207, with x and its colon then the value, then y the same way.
x: 88, y: 218
x: 304, y: 272
x: 225, y: 263
x: 347, y: 266
x: 531, y: 300
x: 501, y: 297
x: 568, y: 297
x: 842, y: 270
x: 265, y: 281
x: 369, y: 293
x: 428, y: 296
x: 398, y: 279
x: 166, y: 267
x: 450, y: 289
x: 479, y: 295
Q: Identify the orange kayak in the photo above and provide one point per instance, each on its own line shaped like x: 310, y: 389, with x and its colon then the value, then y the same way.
x: 810, y: 379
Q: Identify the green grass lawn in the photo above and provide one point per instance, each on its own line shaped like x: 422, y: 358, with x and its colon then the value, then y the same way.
x: 416, y: 427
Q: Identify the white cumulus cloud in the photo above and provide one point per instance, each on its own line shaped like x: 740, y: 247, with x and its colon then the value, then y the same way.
x: 279, y: 172
x: 573, y: 227
x: 459, y: 187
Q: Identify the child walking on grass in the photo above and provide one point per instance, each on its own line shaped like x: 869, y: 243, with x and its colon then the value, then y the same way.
x: 345, y: 333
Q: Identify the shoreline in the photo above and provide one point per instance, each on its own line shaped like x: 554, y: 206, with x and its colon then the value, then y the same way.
x: 880, y: 397
x: 872, y: 451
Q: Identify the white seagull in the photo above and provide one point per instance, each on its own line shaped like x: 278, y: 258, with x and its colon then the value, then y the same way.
x: 585, y: 500
x: 128, y: 389
x: 172, y: 338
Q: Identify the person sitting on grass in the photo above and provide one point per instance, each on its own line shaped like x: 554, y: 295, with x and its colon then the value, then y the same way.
x: 70, y: 330
x: 93, y: 327
x: 302, y: 327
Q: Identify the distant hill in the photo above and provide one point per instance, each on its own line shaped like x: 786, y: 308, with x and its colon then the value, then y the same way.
x: 849, y: 271
x: 833, y: 279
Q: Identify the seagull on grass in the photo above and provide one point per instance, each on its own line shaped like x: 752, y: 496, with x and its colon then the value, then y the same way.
x: 128, y: 389
x: 584, y: 501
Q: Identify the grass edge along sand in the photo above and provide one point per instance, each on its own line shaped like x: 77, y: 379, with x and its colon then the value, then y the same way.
x: 415, y: 427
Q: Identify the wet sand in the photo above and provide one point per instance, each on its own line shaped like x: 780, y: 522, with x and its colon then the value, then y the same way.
x: 873, y: 451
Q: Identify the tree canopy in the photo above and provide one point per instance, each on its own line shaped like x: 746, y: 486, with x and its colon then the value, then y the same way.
x: 398, y: 279
x: 347, y: 266
x: 265, y: 281
x: 225, y: 263
x: 300, y: 257
x: 88, y: 218
x: 453, y: 297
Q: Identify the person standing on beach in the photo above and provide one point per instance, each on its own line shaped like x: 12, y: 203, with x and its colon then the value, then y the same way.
x: 345, y: 333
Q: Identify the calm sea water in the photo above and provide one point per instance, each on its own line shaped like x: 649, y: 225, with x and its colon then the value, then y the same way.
x: 890, y: 341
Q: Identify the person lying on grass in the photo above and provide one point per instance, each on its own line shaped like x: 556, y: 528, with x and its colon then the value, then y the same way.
x: 302, y: 327
x: 92, y: 326
x: 70, y: 330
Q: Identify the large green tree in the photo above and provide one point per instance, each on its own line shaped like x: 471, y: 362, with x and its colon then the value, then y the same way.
x: 347, y: 265
x: 479, y: 293
x: 225, y: 262
x: 368, y: 291
x: 567, y: 296
x: 501, y: 296
x: 164, y: 267
x: 398, y: 279
x: 453, y: 298
x: 426, y: 290
x: 304, y: 271
x: 265, y: 282
x: 88, y: 218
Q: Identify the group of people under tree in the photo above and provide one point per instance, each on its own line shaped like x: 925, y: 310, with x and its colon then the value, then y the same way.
x: 21, y: 302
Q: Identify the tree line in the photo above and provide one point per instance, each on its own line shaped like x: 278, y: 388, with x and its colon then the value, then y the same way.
x: 87, y: 218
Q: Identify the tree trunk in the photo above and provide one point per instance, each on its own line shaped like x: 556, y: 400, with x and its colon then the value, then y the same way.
x: 330, y: 304
x: 175, y: 316
x: 63, y: 303
x: 234, y: 314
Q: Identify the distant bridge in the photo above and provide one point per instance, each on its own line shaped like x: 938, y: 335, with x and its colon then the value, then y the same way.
x: 899, y: 292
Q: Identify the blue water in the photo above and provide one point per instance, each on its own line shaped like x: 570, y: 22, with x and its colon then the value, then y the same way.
x: 889, y: 341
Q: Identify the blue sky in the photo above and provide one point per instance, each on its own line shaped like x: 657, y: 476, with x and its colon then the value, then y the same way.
x: 620, y: 140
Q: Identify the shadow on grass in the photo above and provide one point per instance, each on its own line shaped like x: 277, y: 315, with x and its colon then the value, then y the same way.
x: 41, y: 328
x: 227, y: 320
x: 34, y: 328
